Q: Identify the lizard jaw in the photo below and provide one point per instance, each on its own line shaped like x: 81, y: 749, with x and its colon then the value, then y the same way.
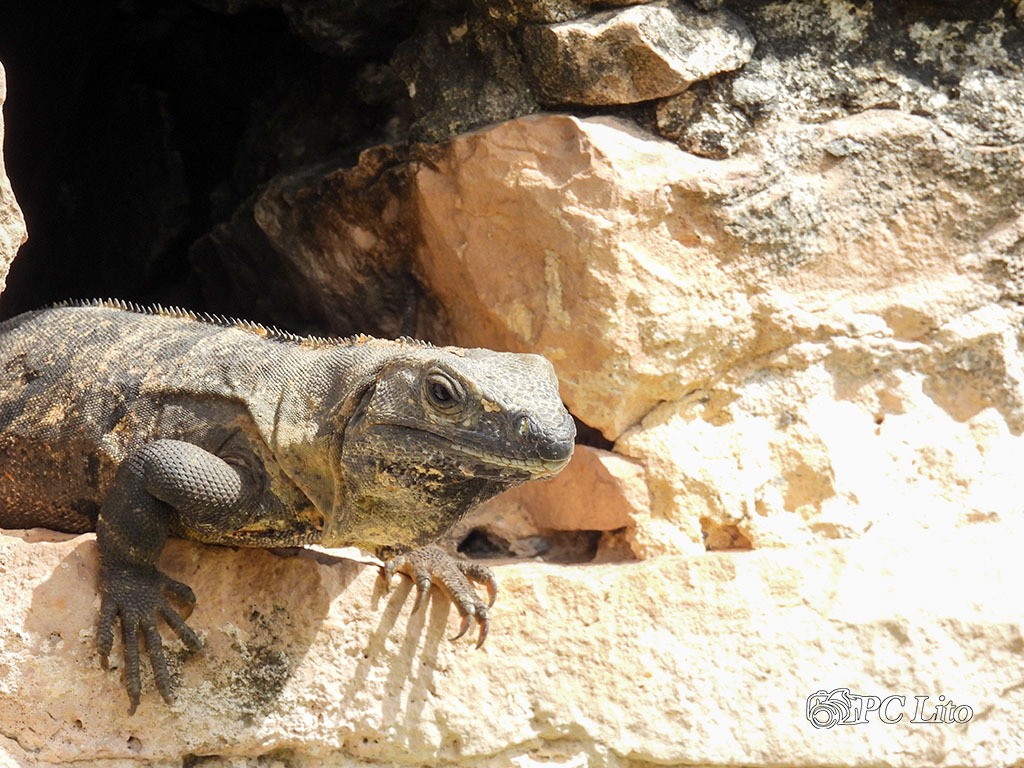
x: 536, y: 467
x: 531, y: 467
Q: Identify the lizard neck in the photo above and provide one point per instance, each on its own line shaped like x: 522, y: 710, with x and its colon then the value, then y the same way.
x: 320, y: 390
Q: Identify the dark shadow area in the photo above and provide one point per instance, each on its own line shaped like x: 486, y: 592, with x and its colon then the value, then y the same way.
x: 253, y: 644
x: 133, y: 128
x: 549, y: 546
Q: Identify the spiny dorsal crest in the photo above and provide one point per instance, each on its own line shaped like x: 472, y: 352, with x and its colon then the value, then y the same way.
x: 264, y: 331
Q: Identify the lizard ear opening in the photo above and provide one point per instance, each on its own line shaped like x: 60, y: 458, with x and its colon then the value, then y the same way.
x: 351, y: 413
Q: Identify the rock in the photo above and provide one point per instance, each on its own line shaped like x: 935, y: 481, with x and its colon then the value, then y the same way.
x: 705, y: 127
x: 461, y: 72
x: 323, y: 248
x: 818, y: 61
x: 509, y: 14
x: 12, y: 223
x: 576, y: 253
x: 311, y: 664
x: 598, y: 491
x: 633, y: 54
x: 513, y: 13
x: 731, y: 325
x: 307, y: 118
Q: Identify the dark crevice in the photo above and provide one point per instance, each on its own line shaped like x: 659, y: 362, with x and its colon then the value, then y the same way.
x: 591, y: 436
x: 132, y: 129
x: 548, y: 546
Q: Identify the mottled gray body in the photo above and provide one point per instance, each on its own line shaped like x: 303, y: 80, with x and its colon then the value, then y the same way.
x: 143, y: 425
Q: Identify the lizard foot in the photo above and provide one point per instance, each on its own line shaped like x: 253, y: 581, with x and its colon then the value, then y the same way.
x: 431, y: 565
x: 137, y: 597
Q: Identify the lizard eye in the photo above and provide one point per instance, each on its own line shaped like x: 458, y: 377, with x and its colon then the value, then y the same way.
x: 443, y: 392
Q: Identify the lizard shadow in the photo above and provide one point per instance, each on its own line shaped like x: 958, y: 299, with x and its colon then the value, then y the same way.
x: 411, y: 666
x: 425, y: 626
x: 259, y: 615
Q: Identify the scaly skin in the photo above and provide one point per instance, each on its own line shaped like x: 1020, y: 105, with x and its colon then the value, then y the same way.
x: 144, y: 424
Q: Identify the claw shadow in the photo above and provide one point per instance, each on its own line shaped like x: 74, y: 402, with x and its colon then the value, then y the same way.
x: 412, y: 665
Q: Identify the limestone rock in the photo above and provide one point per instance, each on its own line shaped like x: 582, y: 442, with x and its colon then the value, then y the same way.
x: 818, y: 61
x: 12, y: 224
x: 513, y: 13
x: 702, y: 125
x: 664, y: 661
x: 831, y: 353
x: 598, y: 491
x: 582, y: 251
x: 633, y: 54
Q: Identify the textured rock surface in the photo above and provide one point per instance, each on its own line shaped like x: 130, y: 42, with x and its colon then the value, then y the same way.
x: 513, y: 13
x: 703, y: 660
x: 333, y: 244
x: 633, y: 54
x: 12, y: 225
x: 960, y: 65
x: 461, y: 72
x: 601, y: 493
x: 829, y: 316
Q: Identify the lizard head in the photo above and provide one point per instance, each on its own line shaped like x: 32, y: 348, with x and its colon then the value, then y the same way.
x: 481, y: 413
x: 439, y: 430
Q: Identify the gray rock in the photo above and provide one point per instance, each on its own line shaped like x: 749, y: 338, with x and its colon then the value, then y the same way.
x: 714, y: 130
x: 325, y: 249
x: 462, y: 72
x: 635, y: 54
x: 512, y: 13
x: 818, y: 61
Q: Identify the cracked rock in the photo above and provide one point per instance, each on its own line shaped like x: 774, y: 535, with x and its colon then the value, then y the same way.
x: 634, y: 54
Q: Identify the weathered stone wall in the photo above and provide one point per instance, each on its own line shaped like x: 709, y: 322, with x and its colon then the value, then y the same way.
x: 703, y: 660
x: 775, y: 252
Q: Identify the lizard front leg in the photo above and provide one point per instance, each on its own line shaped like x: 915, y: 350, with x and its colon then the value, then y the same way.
x: 163, y: 482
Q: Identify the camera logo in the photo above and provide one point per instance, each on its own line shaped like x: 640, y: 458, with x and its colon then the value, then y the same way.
x: 827, y: 709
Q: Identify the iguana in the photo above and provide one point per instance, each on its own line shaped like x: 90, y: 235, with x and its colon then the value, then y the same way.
x: 142, y: 423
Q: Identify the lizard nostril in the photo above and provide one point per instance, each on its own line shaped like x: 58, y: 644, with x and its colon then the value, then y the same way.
x: 524, y: 426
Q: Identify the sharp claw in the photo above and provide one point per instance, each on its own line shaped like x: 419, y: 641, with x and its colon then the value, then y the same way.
x: 430, y: 566
x: 464, y: 627
x: 422, y: 587
x: 138, y: 605
x: 485, y: 627
x: 183, y: 630
x: 387, y: 573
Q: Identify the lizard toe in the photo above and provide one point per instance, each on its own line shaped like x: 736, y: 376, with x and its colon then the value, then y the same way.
x: 137, y: 597
x: 431, y: 565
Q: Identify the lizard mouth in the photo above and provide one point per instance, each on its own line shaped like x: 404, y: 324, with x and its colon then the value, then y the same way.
x: 536, y: 467
x: 526, y: 467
